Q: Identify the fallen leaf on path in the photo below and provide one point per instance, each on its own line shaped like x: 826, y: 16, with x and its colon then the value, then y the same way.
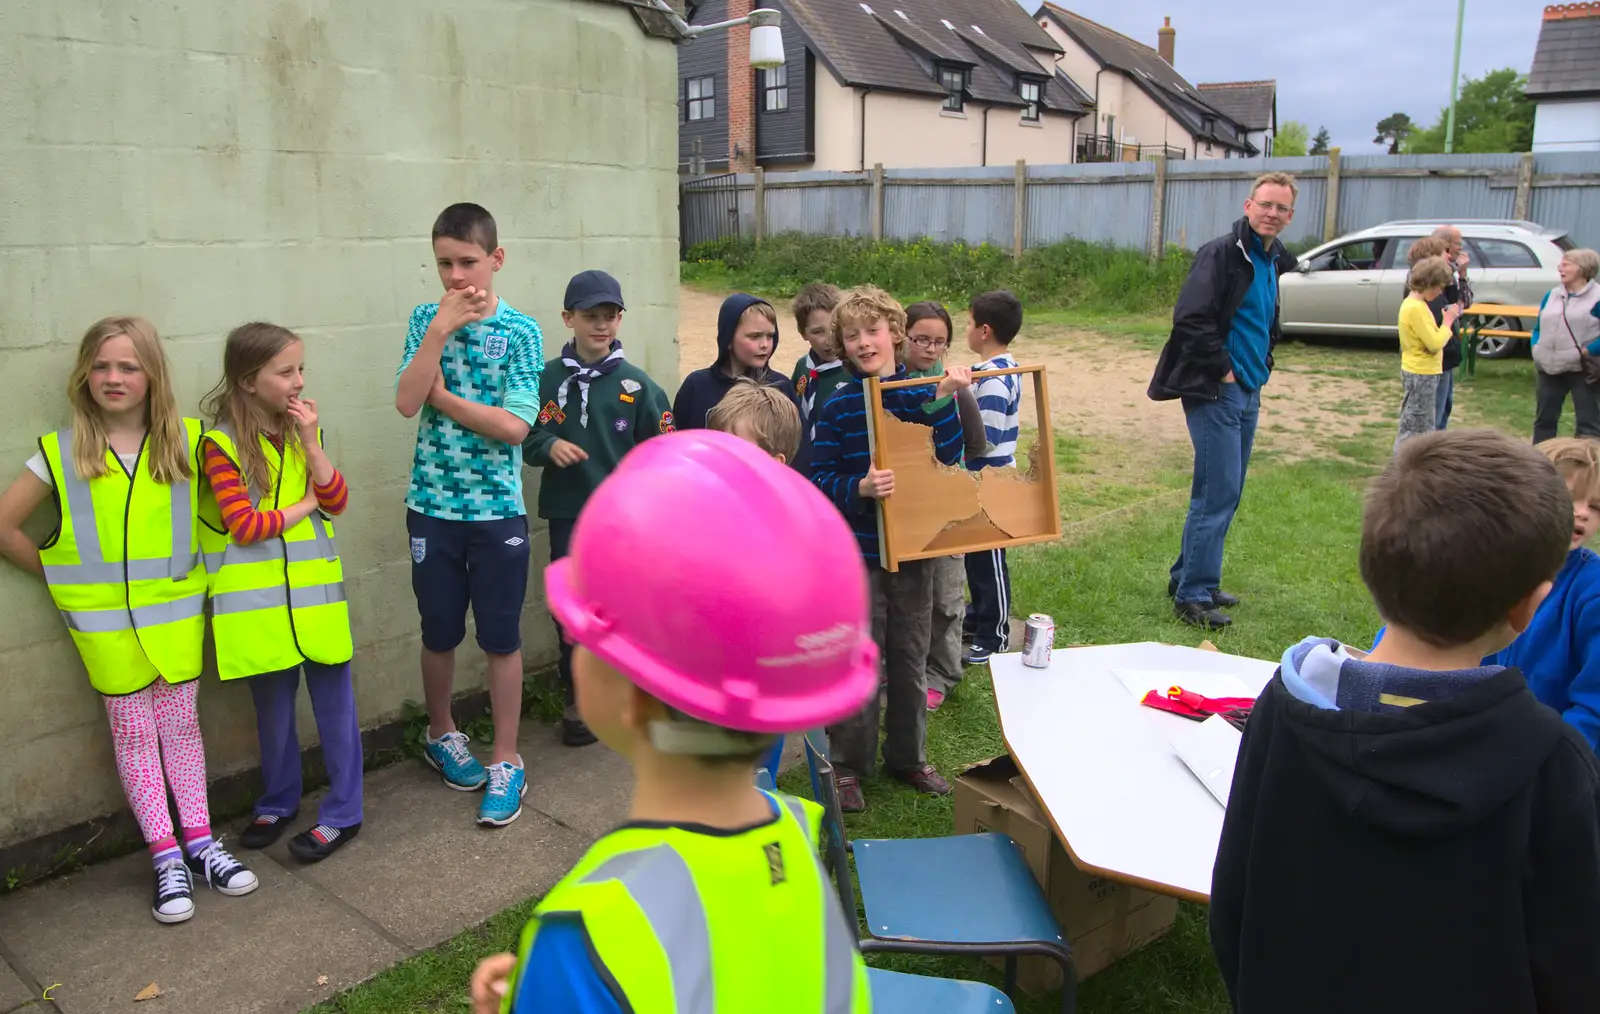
x: 150, y: 992
x: 322, y: 980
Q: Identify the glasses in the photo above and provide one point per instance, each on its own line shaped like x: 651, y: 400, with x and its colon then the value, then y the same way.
x: 1282, y: 209
x: 931, y: 344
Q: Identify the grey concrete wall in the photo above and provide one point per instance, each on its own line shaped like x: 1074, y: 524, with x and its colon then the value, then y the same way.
x: 204, y: 164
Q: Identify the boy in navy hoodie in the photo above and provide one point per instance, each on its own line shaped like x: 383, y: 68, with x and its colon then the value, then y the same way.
x: 1559, y: 653
x: 747, y: 339
x: 1409, y: 829
x: 869, y: 330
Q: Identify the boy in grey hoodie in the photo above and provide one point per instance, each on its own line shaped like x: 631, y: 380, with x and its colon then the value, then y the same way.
x: 1409, y: 829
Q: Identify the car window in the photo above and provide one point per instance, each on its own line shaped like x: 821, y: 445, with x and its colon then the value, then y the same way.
x: 1503, y: 253
x: 1362, y: 256
x: 1401, y: 246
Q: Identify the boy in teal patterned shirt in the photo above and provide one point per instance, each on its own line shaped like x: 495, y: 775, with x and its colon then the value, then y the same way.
x: 471, y: 368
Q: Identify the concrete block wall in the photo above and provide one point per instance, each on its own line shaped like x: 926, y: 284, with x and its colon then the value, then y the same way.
x: 204, y: 164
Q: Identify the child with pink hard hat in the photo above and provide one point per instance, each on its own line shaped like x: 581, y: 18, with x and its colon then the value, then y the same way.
x: 691, y: 668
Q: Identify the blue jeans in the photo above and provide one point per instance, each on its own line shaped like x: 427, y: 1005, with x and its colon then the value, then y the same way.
x: 1444, y: 399
x: 1222, y: 431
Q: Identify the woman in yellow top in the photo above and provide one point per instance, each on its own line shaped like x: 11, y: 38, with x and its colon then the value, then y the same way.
x: 1422, y: 345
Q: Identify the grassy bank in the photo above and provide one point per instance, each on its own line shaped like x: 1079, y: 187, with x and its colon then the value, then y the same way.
x: 1075, y: 276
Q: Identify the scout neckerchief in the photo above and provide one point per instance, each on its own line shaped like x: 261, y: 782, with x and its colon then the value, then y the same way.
x: 583, y: 374
x: 808, y: 396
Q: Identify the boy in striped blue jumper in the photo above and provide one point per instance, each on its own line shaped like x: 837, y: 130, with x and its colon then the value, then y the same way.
x: 869, y: 334
x: 993, y: 320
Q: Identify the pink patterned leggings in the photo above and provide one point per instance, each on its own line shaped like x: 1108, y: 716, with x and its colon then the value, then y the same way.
x: 156, y: 724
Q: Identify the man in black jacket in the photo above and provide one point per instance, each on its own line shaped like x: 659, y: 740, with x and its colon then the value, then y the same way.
x: 1219, y: 355
x: 1458, y: 292
x: 1410, y: 830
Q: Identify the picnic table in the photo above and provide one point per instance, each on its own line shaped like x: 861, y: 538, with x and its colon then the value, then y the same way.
x: 1475, y: 321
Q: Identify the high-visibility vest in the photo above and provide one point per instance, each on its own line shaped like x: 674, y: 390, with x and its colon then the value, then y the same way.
x: 124, y: 568
x: 281, y: 601
x: 691, y: 923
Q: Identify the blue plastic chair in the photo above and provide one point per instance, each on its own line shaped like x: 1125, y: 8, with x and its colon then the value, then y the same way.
x: 900, y: 993
x: 986, y: 903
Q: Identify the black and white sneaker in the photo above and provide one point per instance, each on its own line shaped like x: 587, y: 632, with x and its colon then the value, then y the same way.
x: 222, y: 872
x: 174, y: 893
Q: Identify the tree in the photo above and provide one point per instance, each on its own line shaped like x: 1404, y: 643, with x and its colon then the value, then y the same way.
x: 1393, y: 130
x: 1492, y: 115
x: 1290, y: 139
x: 1320, y: 143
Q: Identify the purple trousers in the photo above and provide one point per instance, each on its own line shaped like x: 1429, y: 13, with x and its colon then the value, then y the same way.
x: 333, y: 702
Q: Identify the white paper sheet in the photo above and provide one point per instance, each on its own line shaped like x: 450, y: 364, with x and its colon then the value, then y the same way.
x: 1210, y: 749
x: 1207, y: 684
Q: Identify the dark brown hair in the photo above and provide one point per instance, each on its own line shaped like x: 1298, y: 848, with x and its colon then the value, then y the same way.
x: 1001, y: 310
x: 814, y: 297
x: 930, y: 310
x: 468, y: 223
x: 1460, y: 527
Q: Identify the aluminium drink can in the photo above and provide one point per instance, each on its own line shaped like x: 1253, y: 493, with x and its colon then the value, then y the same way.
x: 1038, y: 635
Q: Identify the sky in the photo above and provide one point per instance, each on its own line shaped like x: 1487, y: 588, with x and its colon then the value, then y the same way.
x: 1344, y: 65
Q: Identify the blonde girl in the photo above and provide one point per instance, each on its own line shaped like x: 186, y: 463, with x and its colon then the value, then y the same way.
x: 277, y: 585
x: 123, y: 566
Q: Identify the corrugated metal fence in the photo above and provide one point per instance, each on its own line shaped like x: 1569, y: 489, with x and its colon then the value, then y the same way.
x: 1118, y: 202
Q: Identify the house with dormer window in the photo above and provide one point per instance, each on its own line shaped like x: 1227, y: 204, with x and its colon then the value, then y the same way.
x: 902, y: 83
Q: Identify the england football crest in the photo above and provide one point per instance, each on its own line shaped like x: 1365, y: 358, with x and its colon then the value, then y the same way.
x: 419, y: 550
x: 495, y: 346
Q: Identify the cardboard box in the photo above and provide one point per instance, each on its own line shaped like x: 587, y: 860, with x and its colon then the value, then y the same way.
x: 1102, y: 920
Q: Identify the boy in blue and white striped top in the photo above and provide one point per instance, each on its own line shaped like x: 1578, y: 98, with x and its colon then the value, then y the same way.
x: 993, y: 320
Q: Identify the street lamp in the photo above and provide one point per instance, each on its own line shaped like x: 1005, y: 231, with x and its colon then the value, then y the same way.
x: 766, y: 41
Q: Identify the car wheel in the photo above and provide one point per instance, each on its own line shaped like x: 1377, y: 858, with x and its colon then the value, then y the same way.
x: 1496, y: 347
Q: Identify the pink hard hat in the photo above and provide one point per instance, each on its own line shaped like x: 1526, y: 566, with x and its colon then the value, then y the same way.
x: 723, y: 584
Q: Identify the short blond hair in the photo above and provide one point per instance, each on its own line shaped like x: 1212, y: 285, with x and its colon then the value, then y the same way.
x: 764, y: 414
x: 1587, y: 261
x: 1427, y: 246
x: 1578, y: 461
x: 1429, y: 273
x: 860, y: 307
x: 1275, y: 179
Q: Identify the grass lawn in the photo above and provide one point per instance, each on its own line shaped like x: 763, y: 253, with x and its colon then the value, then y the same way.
x: 1291, y: 557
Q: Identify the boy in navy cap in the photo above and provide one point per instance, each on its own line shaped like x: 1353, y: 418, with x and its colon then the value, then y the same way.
x: 594, y: 407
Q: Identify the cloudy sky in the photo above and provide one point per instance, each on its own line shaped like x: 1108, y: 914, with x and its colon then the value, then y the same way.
x: 1344, y: 65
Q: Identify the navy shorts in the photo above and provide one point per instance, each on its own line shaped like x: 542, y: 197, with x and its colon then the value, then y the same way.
x: 484, y: 563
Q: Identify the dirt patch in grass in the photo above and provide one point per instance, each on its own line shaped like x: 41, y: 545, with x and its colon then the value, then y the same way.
x: 1097, y: 384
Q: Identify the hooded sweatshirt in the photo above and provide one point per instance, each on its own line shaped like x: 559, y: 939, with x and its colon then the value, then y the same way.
x: 1400, y: 841
x: 703, y: 389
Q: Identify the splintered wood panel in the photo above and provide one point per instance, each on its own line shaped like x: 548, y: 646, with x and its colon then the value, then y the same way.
x: 940, y: 510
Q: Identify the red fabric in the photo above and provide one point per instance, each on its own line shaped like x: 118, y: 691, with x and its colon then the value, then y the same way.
x: 1189, y: 704
x: 246, y: 524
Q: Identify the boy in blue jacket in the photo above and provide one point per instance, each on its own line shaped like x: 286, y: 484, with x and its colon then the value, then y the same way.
x: 1559, y: 653
x: 869, y: 332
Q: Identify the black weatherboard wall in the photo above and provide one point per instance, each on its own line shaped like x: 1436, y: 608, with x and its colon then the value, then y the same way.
x: 706, y: 56
x: 785, y: 136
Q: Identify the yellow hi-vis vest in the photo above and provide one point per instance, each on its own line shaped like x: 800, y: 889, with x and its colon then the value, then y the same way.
x: 693, y: 923
x: 124, y: 568
x: 277, y: 602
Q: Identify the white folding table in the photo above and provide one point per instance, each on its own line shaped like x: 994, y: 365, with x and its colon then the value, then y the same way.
x: 1103, y: 766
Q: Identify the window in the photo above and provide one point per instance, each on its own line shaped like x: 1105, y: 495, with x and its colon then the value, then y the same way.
x: 700, y: 98
x: 955, y: 85
x: 775, y: 89
x: 1029, y: 90
x: 1360, y: 256
x: 1503, y: 253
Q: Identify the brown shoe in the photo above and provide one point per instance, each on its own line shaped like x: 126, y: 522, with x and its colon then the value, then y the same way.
x: 924, y: 779
x: 850, y: 798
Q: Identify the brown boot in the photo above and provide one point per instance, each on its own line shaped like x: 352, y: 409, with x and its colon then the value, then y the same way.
x: 925, y: 779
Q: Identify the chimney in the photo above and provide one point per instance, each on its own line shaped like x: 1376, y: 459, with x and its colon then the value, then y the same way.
x: 1165, y: 38
x: 740, y: 100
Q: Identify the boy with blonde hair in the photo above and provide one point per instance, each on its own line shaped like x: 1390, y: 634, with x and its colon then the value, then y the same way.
x: 1422, y: 343
x: 761, y: 415
x: 869, y: 334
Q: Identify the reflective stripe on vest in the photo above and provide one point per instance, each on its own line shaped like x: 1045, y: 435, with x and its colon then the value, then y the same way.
x: 141, y: 617
x: 269, y: 598
x: 322, y: 548
x: 661, y: 885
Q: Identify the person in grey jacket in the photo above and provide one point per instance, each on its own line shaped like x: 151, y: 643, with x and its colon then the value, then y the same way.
x: 1568, y: 328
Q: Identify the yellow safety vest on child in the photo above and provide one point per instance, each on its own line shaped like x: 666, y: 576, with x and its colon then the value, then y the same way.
x: 280, y: 601
x: 693, y: 923
x: 124, y: 568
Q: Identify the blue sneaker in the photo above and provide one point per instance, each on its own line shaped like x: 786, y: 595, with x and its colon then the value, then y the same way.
x: 503, y: 802
x: 449, y: 756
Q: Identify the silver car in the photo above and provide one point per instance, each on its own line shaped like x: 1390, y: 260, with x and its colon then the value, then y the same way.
x: 1354, y: 285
